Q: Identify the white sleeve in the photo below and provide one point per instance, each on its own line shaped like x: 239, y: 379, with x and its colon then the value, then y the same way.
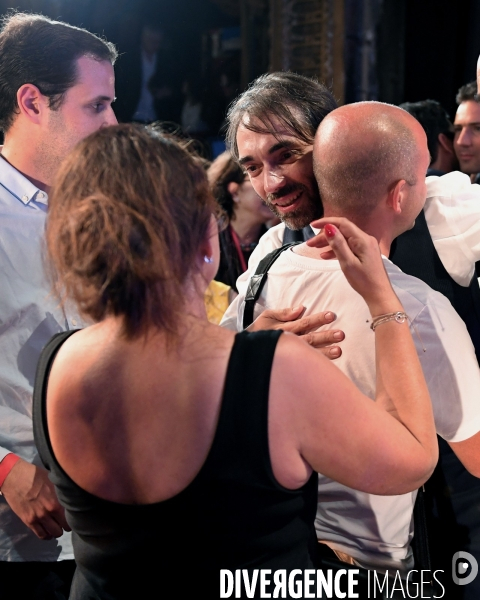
x: 452, y: 212
x: 233, y: 317
x: 450, y: 368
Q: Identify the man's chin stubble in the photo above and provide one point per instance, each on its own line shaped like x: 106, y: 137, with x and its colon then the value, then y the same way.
x: 299, y: 219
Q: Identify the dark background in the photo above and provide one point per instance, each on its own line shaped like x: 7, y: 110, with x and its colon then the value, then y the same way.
x: 418, y: 48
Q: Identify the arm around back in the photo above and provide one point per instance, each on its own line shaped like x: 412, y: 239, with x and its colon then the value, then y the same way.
x: 383, y: 447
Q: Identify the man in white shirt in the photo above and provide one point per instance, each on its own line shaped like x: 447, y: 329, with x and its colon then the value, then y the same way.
x: 371, y: 161
x: 56, y: 87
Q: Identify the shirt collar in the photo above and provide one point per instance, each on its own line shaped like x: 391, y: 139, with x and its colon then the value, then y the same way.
x: 18, y: 185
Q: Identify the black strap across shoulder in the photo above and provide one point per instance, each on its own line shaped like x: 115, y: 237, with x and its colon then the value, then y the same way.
x: 258, y: 280
x: 44, y: 366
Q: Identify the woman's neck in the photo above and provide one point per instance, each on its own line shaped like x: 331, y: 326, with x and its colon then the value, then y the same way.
x: 247, y: 231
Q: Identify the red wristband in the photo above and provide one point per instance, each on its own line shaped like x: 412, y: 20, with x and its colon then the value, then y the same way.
x: 6, y: 465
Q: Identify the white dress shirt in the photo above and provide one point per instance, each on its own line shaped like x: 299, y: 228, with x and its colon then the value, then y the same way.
x: 29, y: 316
x: 452, y: 212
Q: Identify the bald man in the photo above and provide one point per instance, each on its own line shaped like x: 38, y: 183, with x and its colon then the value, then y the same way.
x: 370, y: 162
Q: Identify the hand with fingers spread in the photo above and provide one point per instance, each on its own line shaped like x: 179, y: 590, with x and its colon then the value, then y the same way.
x: 31, y: 495
x: 290, y: 319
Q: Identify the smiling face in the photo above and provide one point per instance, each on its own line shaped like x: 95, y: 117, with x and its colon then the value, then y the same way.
x: 281, y: 172
x: 467, y: 136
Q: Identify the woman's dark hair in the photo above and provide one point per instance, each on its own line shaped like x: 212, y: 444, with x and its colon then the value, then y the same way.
x: 297, y: 102
x: 223, y: 170
x: 129, y: 210
x: 37, y: 50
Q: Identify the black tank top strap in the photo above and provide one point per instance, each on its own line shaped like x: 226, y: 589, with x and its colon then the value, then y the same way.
x: 40, y: 429
x: 243, y: 421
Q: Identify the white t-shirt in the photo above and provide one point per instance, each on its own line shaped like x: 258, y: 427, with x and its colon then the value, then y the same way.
x: 377, y: 530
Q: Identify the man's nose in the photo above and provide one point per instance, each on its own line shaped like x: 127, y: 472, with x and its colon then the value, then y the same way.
x: 110, y: 118
x: 273, y: 180
x: 464, y: 137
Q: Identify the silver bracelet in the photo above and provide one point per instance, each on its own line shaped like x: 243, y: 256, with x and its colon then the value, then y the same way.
x: 399, y: 317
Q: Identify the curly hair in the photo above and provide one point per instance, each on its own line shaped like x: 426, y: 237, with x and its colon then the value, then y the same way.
x: 299, y: 103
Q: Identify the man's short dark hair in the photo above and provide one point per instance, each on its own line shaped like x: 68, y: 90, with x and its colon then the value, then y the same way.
x: 434, y: 119
x: 298, y: 102
x: 467, y: 92
x: 37, y: 50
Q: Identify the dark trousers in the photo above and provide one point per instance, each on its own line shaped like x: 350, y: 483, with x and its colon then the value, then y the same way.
x: 36, y: 580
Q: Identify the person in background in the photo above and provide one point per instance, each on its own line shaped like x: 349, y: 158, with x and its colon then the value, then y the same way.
x: 146, y: 80
x: 161, y: 429
x: 247, y: 216
x: 439, y: 130
x: 467, y: 130
x: 192, y: 114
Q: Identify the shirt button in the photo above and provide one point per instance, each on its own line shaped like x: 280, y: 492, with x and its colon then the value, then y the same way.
x: 41, y: 195
x: 25, y: 198
x: 74, y: 321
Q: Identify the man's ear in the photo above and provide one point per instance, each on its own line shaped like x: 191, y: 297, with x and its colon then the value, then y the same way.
x: 31, y: 102
x: 396, y: 196
x: 446, y: 143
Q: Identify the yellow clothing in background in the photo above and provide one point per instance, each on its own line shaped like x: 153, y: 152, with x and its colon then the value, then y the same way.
x: 216, y: 301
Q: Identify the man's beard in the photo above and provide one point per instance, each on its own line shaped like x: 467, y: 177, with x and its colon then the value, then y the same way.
x: 301, y: 217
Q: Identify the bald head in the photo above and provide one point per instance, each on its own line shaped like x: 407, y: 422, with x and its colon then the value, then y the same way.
x: 361, y: 150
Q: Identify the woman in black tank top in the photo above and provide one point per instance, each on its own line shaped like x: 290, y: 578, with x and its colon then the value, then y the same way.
x: 183, y: 453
